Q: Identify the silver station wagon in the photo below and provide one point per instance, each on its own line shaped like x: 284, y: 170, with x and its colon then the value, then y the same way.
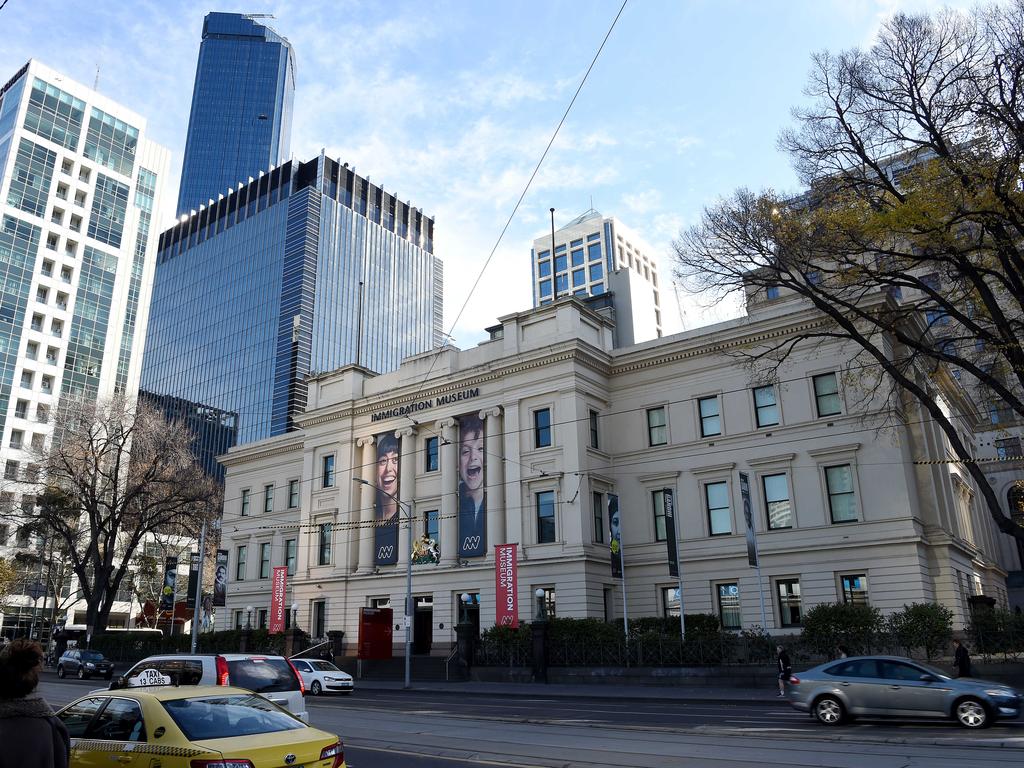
x: 890, y: 686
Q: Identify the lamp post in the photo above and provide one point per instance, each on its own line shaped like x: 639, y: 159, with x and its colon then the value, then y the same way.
x: 295, y: 615
x: 542, y: 612
x: 408, y: 579
x: 539, y: 631
x: 465, y: 608
x: 248, y: 617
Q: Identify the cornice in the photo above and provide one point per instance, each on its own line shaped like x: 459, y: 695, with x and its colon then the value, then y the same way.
x: 240, y: 455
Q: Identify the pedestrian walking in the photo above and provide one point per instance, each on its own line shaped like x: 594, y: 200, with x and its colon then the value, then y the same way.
x: 961, y: 659
x: 785, y: 668
x: 30, y: 734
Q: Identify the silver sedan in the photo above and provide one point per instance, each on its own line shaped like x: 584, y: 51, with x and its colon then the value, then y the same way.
x: 890, y: 686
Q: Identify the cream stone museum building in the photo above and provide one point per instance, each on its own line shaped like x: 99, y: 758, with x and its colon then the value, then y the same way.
x: 523, y: 438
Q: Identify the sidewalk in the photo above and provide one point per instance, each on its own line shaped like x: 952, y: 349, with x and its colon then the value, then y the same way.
x: 702, y: 694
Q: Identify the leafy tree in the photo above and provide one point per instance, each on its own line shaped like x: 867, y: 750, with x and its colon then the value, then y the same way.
x: 827, y: 625
x: 909, y: 239
x: 928, y: 626
x: 7, y: 579
x: 116, y: 473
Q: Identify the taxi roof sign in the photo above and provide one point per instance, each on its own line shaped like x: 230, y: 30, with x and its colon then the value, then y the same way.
x: 148, y: 677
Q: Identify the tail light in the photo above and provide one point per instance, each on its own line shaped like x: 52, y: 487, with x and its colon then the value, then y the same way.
x: 335, y: 750
x: 221, y: 764
x: 222, y: 672
x: 302, y: 685
x: 794, y: 680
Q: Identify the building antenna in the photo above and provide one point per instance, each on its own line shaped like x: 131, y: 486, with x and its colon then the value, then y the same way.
x: 96, y: 81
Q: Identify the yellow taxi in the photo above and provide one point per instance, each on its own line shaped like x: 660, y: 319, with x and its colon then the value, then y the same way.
x: 167, y: 726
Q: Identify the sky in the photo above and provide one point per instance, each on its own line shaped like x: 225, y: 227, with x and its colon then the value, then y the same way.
x: 450, y: 103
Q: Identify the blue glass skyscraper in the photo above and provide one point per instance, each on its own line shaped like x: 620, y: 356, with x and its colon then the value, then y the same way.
x: 241, y: 116
x: 308, y: 268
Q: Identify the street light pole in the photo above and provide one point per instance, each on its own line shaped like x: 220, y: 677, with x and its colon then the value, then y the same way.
x: 408, y: 579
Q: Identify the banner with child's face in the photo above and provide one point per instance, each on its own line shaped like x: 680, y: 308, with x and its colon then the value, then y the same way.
x: 472, y: 491
x: 385, y: 478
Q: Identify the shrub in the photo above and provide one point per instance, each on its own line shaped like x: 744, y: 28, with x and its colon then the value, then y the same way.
x: 828, y: 625
x: 928, y: 626
x: 996, y: 631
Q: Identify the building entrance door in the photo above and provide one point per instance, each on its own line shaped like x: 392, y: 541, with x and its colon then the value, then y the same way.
x: 423, y: 625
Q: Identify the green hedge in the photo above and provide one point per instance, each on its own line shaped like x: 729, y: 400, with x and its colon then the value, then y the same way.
x: 126, y: 647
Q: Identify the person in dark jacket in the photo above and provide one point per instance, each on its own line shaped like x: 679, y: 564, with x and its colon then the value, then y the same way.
x: 785, y: 669
x: 961, y: 659
x: 30, y: 734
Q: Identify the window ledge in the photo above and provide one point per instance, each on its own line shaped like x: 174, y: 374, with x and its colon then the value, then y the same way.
x: 715, y: 469
x: 835, y: 450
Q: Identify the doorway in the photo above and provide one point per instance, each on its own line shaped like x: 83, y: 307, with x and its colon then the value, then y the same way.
x: 423, y: 625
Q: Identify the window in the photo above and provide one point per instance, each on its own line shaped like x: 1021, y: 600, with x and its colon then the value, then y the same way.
x: 657, y: 426
x: 21, y: 409
x: 670, y: 601
x: 42, y: 413
x: 594, y: 436
x: 324, y: 548
x: 430, y: 447
x: 771, y: 292
x: 598, y: 502
x: 37, y: 441
x: 77, y: 717
x: 37, y: 322
x: 813, y: 277
x: 26, y: 379
x: 729, y: 605
x: 431, y: 526
x: 776, y: 501
x: 268, y: 498
x: 561, y: 283
x: 826, y: 395
x: 855, y: 588
x: 17, y: 438
x: 239, y: 619
x: 32, y: 350
x: 265, y: 560
x: 245, y: 501
x: 261, y: 618
x: 577, y: 257
x: 710, y: 416
x: 544, y: 268
x: 549, y: 602
x: 290, y: 551
x: 542, y: 427
x: 841, y: 501
x: 560, y: 263
x: 240, y: 555
x: 765, y: 408
x: 51, y: 355
x: 42, y: 294
x: 1008, y: 449
x: 716, y: 497
x: 596, y: 271
x: 46, y: 384
x: 11, y: 470
x: 293, y: 494
x: 545, y: 517
x: 327, y: 472
x: 579, y: 278
x: 545, y: 288
x: 788, y: 593
x: 658, y: 505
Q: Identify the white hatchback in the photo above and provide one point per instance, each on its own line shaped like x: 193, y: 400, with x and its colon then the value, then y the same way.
x: 323, y: 677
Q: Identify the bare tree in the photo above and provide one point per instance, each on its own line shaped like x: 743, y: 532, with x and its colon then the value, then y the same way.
x: 8, y: 575
x: 909, y: 238
x: 115, y: 473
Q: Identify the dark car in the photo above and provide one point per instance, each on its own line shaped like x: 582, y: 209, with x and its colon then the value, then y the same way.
x: 891, y: 686
x: 85, y: 664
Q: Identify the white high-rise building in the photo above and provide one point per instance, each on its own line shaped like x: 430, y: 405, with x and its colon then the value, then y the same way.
x: 82, y: 200
x: 594, y: 255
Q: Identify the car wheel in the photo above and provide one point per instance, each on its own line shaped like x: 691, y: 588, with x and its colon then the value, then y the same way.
x: 81, y: 674
x: 828, y: 710
x: 315, y: 688
x: 971, y: 713
x: 60, y: 672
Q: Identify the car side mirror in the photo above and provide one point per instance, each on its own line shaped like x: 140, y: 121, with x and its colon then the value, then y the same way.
x: 118, y: 683
x: 927, y: 678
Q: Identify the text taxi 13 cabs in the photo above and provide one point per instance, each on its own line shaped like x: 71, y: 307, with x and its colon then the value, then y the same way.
x: 153, y: 723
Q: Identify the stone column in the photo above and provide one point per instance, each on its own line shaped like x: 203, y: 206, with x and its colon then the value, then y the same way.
x: 495, y: 477
x: 449, y: 492
x: 367, y: 497
x: 407, y: 493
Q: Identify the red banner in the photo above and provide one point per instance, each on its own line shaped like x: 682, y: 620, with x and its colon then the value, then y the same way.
x: 506, y: 580
x: 277, y: 593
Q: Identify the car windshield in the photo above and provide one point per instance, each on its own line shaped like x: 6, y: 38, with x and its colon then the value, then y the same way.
x: 92, y: 656
x: 218, y: 717
x: 262, y: 675
x: 324, y: 666
x: 933, y: 670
